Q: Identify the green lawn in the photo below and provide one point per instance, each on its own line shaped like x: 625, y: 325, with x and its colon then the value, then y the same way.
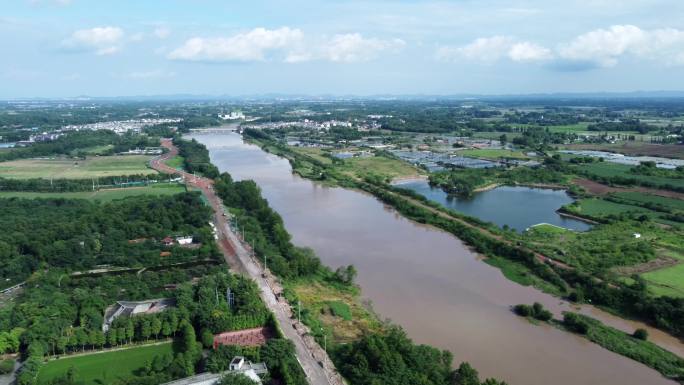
x: 175, y: 162
x: 340, y: 309
x: 492, y: 154
x: 668, y: 281
x: 103, y: 368
x: 76, y: 168
x: 598, y: 208
x: 101, y: 195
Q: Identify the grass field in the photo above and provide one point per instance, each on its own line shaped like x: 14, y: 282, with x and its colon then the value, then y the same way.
x: 608, y: 169
x: 340, y: 309
x: 103, y: 368
x: 641, y: 198
x: 495, y: 134
x: 313, y: 152
x: 337, y: 311
x: 76, y: 168
x: 175, y: 162
x: 493, y: 154
x: 101, y: 195
x: 576, y: 128
x: 379, y: 165
x: 598, y: 208
x: 668, y: 281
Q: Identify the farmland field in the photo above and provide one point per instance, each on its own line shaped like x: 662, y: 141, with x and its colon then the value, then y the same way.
x: 492, y: 153
x: 76, y: 168
x: 668, y: 281
x: 635, y: 148
x: 104, y: 195
x: 638, y: 197
x: 598, y: 208
x: 103, y: 368
x: 609, y: 170
x: 386, y: 167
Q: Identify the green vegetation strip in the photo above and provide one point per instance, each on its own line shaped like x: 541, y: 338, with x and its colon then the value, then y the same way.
x: 101, y: 195
x: 104, y: 368
x: 646, y: 352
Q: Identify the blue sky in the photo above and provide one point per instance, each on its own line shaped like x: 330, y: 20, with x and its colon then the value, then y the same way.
x: 55, y: 48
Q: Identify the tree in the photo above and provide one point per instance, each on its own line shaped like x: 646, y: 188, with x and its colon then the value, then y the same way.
x: 81, y: 337
x: 112, y: 338
x: 130, y: 330
x: 503, y: 139
x: 145, y: 328
x: 207, y: 338
x: 467, y: 375
x: 641, y: 334
x: 166, y: 328
x: 155, y: 326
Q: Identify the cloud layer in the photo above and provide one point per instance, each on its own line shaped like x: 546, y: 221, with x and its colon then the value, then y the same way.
x: 100, y: 40
x: 597, y: 48
x: 283, y: 44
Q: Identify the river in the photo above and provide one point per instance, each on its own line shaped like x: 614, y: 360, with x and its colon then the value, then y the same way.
x: 428, y: 282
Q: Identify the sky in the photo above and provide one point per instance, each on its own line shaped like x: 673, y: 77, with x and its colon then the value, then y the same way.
x: 67, y: 48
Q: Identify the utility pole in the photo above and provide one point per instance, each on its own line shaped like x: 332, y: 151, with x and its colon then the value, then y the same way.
x: 299, y: 310
x: 264, y: 263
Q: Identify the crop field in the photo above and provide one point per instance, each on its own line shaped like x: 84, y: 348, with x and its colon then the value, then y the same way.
x: 379, y: 165
x: 576, y: 128
x: 668, y: 281
x: 492, y: 154
x: 608, y: 169
x: 495, y: 134
x: 313, y: 152
x: 103, y: 368
x: 635, y: 148
x: 103, y: 195
x: 598, y: 208
x: 641, y: 198
x: 76, y: 168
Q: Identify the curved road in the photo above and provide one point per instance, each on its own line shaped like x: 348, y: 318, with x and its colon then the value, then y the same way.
x: 317, y: 365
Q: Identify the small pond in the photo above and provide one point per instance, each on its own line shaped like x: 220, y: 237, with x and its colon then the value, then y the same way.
x: 517, y: 207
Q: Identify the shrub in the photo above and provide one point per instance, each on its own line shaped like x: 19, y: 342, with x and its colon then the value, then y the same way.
x: 641, y: 334
x: 6, y: 366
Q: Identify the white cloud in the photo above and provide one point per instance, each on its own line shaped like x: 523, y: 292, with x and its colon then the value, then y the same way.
x: 355, y: 48
x: 604, y: 47
x: 255, y: 45
x: 485, y: 49
x: 154, y: 74
x: 526, y: 51
x: 161, y: 32
x: 492, y: 49
x: 285, y: 43
x: 101, y: 40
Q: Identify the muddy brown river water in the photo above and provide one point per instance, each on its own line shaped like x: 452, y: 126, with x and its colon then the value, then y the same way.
x: 428, y: 282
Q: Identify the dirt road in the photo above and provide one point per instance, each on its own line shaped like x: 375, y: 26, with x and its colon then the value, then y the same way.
x: 317, y: 365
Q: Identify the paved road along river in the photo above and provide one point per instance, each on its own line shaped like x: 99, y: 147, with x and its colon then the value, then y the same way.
x: 428, y: 282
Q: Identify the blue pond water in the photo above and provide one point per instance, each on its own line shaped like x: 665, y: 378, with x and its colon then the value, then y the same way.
x: 517, y: 207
